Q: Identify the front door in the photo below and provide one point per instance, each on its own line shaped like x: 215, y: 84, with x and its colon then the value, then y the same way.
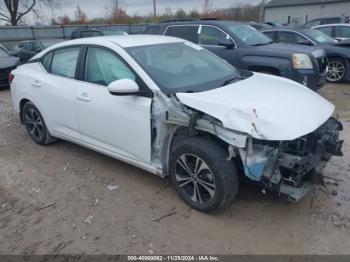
x: 119, y: 125
x: 210, y: 36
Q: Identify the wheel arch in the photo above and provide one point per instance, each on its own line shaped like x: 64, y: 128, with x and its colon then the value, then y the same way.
x: 21, y: 105
x: 265, y: 69
x: 182, y: 133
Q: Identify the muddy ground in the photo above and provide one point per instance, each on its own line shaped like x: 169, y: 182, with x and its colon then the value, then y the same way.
x: 65, y: 199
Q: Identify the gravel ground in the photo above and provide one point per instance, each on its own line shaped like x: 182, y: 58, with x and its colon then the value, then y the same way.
x: 65, y: 199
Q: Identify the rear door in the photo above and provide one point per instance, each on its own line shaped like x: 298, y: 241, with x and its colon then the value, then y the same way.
x: 187, y: 32
x: 53, y: 84
x: 119, y: 125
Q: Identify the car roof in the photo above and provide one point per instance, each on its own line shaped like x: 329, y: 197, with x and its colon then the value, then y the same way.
x: 202, y: 22
x: 124, y: 41
x: 290, y: 28
x: 326, y: 25
x: 323, y: 18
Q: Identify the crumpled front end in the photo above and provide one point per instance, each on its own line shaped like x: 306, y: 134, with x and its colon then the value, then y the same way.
x: 292, y: 167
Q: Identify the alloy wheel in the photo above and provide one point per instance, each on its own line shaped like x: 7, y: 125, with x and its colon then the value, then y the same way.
x: 195, y: 178
x: 336, y: 71
x: 34, y: 124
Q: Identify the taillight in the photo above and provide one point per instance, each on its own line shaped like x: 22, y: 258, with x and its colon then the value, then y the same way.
x: 11, y: 77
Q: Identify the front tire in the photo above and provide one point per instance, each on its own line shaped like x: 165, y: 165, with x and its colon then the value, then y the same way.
x: 336, y: 70
x: 35, y: 125
x: 202, y: 175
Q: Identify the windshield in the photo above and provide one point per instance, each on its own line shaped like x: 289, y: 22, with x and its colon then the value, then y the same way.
x: 249, y: 35
x: 183, y: 67
x: 319, y: 36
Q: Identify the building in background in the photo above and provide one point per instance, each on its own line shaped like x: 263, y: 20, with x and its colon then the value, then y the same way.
x: 299, y: 12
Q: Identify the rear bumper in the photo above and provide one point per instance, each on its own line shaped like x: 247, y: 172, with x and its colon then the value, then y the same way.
x: 4, y: 77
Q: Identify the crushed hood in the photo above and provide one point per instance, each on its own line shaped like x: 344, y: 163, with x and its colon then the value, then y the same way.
x: 264, y: 106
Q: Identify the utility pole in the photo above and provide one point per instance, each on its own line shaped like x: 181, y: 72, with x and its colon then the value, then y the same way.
x: 155, y: 8
x: 262, y: 10
x: 116, y: 8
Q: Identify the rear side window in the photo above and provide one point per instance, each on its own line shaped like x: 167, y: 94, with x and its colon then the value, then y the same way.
x: 28, y: 46
x: 64, y: 62
x: 334, y: 20
x: 152, y: 30
x: 342, y: 31
x: 327, y: 30
x: 189, y: 33
x: 36, y: 47
x: 313, y: 23
x: 289, y: 37
x: 270, y: 35
x: 46, y: 62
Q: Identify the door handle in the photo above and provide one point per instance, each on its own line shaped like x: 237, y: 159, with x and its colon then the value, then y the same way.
x: 36, y: 83
x: 84, y: 97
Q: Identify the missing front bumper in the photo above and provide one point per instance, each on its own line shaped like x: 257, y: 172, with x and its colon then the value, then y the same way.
x: 294, y: 194
x: 292, y: 168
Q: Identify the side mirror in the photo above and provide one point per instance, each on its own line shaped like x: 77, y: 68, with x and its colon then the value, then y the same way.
x: 227, y: 43
x: 123, y: 87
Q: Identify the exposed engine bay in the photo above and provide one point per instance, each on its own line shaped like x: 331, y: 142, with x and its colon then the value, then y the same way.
x: 289, y: 168
x: 292, y: 167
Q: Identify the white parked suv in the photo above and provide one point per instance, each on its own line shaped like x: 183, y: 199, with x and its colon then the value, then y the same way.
x: 173, y: 108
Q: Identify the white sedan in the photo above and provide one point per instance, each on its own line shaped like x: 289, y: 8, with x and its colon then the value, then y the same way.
x: 173, y: 108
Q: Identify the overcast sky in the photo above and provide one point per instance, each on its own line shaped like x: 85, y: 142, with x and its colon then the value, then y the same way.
x: 97, y: 8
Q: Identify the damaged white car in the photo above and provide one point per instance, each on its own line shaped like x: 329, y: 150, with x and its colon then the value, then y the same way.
x: 172, y: 108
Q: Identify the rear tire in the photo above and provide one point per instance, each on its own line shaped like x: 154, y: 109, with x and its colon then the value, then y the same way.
x: 337, y: 70
x: 202, y: 175
x: 35, y: 125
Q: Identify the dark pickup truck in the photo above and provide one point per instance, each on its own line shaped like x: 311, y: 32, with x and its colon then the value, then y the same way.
x: 245, y: 47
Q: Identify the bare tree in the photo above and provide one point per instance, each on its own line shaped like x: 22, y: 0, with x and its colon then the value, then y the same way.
x: 12, y: 11
x: 80, y: 15
x: 207, y: 7
x: 64, y: 20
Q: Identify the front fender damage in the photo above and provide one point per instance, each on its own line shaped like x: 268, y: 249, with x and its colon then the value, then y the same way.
x: 168, y: 115
x: 289, y: 168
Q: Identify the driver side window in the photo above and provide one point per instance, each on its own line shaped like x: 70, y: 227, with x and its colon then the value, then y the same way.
x: 289, y: 37
x: 103, y: 67
x: 211, y: 36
